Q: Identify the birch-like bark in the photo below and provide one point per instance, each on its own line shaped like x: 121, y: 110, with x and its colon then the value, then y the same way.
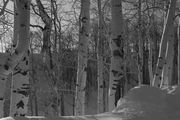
x: 150, y: 62
x: 4, y: 79
x: 33, y: 88
x: 165, y: 76
x: 2, y: 92
x: 150, y: 46
x: 167, y: 70
x: 20, y: 79
x: 16, y: 24
x: 167, y: 31
x: 117, y: 51
x: 20, y: 88
x: 150, y: 40
x: 84, y: 29
x: 140, y: 53
x: 11, y: 60
x: 178, y: 32
x: 100, y: 97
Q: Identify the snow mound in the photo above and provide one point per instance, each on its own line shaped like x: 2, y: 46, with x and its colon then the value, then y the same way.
x: 173, y: 102
x: 150, y: 103
x: 143, y: 102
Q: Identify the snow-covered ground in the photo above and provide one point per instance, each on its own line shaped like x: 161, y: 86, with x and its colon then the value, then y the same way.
x: 150, y: 103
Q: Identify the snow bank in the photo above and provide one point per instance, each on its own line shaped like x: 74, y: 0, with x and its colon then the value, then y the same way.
x: 173, y: 103
x: 151, y: 103
x: 143, y: 102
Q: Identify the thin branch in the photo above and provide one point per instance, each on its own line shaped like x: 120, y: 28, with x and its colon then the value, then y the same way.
x: 37, y: 26
x: 33, y: 8
x: 4, y: 7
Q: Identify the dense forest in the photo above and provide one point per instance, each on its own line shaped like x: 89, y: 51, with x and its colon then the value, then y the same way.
x: 89, y: 59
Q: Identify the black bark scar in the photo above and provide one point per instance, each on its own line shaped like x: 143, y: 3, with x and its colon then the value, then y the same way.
x: 6, y: 67
x: 20, y: 104
x: 22, y: 92
x: 118, y: 41
x: 20, y: 72
x: 114, y: 72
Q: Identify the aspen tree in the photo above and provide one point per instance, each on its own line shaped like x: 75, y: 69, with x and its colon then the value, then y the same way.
x: 84, y: 28
x: 16, y: 24
x: 150, y: 51
x: 167, y: 70
x: 150, y: 62
x: 2, y: 92
x: 178, y: 32
x: 20, y: 88
x: 117, y: 51
x: 20, y: 78
x: 150, y: 41
x: 4, y: 79
x: 140, y: 42
x: 10, y: 60
x: 167, y: 34
x: 100, y: 60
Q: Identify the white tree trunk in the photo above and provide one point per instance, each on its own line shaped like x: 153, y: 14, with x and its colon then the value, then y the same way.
x: 2, y: 91
x: 100, y: 62
x: 84, y: 29
x: 150, y: 63
x: 4, y: 79
x: 20, y: 80
x: 178, y: 32
x: 167, y: 70
x: 150, y: 46
x: 140, y: 42
x: 11, y: 60
x: 117, y: 51
x: 20, y: 88
x: 16, y: 24
x: 168, y: 29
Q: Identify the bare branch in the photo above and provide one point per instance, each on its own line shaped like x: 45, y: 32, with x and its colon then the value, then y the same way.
x: 37, y: 26
x: 33, y: 8
x: 44, y: 16
x: 4, y: 7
